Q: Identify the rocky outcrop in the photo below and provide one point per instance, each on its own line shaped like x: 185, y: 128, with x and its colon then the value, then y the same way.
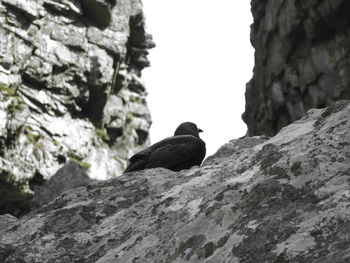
x: 283, y: 199
x: 301, y: 61
x: 70, y: 176
x: 70, y: 86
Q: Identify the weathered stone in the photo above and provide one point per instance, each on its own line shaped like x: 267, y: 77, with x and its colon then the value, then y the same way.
x: 15, y: 51
x: 305, y: 38
x: 101, y: 66
x: 108, y: 39
x: 71, y: 7
x: 112, y: 110
x: 37, y: 71
x: 14, y: 200
x: 59, y: 74
x: 283, y: 199
x: 7, y: 220
x: 30, y: 8
x: 69, y: 35
x: 70, y: 176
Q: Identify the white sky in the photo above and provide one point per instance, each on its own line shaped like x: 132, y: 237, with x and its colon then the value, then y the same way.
x: 199, y: 68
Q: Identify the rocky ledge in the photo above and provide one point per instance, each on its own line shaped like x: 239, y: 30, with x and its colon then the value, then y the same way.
x: 258, y: 199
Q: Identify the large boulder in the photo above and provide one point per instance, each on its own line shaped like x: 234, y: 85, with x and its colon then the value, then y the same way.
x: 283, y: 199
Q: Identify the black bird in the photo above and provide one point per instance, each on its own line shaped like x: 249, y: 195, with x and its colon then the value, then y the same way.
x: 181, y: 151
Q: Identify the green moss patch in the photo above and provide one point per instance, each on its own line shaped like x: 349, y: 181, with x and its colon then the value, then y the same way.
x: 79, y: 161
x: 32, y: 137
x: 16, y: 105
x: 102, y: 134
x: 6, y: 90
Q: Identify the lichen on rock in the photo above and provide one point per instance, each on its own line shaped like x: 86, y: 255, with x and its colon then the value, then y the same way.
x: 258, y: 199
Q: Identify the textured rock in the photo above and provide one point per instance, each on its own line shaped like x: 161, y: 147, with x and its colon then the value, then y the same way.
x: 301, y: 61
x: 15, y: 200
x: 70, y: 176
x: 283, y: 199
x: 70, y: 85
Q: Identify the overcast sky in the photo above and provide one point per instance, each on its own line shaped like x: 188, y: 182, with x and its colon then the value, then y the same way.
x: 199, y: 68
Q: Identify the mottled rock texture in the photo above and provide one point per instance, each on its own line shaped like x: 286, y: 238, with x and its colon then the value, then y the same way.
x: 284, y: 199
x: 301, y: 60
x: 70, y: 85
x: 70, y: 176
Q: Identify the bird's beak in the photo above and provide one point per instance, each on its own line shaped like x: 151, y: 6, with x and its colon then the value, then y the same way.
x: 200, y: 130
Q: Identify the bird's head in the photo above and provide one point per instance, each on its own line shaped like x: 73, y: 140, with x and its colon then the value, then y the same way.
x: 188, y: 128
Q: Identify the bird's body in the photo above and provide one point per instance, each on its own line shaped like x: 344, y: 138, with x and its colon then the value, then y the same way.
x: 181, y: 151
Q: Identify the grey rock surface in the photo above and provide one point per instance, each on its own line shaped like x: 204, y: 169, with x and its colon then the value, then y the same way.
x: 301, y: 61
x: 70, y: 85
x: 70, y: 176
x: 283, y: 199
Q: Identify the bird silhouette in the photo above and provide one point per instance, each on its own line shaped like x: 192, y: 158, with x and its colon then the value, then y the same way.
x: 181, y: 151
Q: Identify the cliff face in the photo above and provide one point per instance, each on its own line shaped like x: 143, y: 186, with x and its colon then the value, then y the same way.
x: 70, y: 85
x: 283, y: 199
x: 301, y: 60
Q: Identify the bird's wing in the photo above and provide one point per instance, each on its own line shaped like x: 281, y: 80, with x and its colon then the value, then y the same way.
x: 137, y: 156
x: 157, y: 146
x: 174, y: 151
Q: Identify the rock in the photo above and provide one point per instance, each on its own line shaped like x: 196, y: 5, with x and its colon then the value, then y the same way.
x: 29, y: 8
x: 300, y: 61
x: 279, y: 199
x: 14, y: 199
x: 62, y: 64
x: 7, y: 220
x: 70, y: 176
